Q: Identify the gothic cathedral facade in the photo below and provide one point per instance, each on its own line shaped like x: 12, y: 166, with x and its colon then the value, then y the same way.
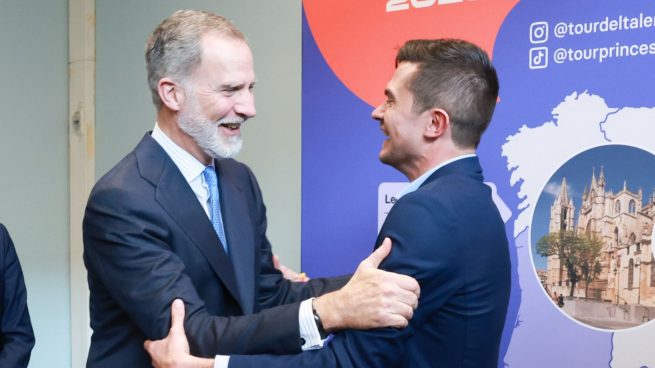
x: 625, y: 226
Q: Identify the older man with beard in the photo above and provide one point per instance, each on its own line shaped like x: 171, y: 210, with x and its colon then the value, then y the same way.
x: 178, y: 218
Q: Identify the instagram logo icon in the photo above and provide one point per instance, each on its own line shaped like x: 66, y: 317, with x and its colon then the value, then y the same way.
x: 538, y: 32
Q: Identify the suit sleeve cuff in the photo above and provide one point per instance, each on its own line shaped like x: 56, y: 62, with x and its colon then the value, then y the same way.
x: 221, y: 361
x: 309, y: 335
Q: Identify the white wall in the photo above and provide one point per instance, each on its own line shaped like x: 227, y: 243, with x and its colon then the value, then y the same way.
x: 34, y: 163
x: 271, y: 140
x: 34, y: 130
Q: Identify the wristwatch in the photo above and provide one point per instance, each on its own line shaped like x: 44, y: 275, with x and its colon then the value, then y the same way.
x: 319, y: 323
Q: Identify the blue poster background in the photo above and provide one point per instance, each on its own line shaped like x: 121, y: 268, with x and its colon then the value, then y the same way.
x: 341, y: 171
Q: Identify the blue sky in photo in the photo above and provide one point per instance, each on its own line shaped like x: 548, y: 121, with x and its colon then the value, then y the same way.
x: 621, y: 163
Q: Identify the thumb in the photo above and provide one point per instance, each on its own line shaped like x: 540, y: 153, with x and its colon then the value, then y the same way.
x: 177, y: 315
x: 381, y: 253
x: 276, y: 262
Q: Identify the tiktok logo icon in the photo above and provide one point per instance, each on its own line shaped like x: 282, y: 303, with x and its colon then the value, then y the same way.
x: 538, y: 57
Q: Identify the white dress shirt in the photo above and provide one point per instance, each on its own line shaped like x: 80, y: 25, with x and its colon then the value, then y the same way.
x: 188, y: 165
x: 192, y: 170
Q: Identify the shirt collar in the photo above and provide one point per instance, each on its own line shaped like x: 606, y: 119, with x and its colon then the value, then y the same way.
x: 188, y: 165
x: 414, y: 185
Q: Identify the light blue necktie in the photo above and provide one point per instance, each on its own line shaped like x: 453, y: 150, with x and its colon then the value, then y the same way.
x: 214, y: 204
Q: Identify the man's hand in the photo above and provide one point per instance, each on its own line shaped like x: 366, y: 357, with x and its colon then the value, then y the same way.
x: 173, y: 350
x: 288, y: 273
x: 372, y: 298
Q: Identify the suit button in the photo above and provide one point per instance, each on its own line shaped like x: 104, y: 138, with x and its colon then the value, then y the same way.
x: 302, y: 341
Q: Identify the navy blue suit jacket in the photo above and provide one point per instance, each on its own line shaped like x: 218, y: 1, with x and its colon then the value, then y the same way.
x: 147, y: 241
x: 448, y: 235
x: 16, y: 335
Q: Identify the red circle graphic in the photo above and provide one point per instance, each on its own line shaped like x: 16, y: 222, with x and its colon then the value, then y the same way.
x: 359, y: 38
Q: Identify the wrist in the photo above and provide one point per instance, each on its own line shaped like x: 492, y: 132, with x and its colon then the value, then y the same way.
x: 196, y: 362
x: 319, y: 324
x: 326, y: 309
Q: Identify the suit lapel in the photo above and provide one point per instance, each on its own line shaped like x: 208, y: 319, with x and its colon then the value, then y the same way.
x: 178, y: 200
x: 238, y: 230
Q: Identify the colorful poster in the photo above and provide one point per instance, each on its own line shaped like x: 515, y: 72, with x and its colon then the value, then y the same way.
x: 576, y: 104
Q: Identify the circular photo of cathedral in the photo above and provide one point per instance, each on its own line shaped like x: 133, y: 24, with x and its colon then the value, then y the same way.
x: 592, y: 234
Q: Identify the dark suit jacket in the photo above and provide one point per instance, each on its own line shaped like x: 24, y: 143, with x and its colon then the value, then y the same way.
x: 16, y: 335
x: 448, y: 235
x: 147, y: 241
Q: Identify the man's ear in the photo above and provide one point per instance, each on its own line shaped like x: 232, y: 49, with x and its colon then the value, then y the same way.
x: 171, y: 93
x: 438, y: 125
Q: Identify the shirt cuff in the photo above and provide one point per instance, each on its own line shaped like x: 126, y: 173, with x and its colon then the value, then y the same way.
x: 309, y: 335
x: 221, y: 361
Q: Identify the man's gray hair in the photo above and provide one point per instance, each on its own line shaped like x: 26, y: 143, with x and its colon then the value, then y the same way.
x: 174, y: 48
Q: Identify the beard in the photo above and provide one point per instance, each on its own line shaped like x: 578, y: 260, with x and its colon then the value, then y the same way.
x: 206, y: 133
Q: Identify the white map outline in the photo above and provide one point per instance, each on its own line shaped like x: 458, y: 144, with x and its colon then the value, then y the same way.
x: 580, y: 122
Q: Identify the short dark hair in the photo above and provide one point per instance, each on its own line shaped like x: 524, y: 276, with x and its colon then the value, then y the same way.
x: 173, y: 49
x: 457, y: 76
